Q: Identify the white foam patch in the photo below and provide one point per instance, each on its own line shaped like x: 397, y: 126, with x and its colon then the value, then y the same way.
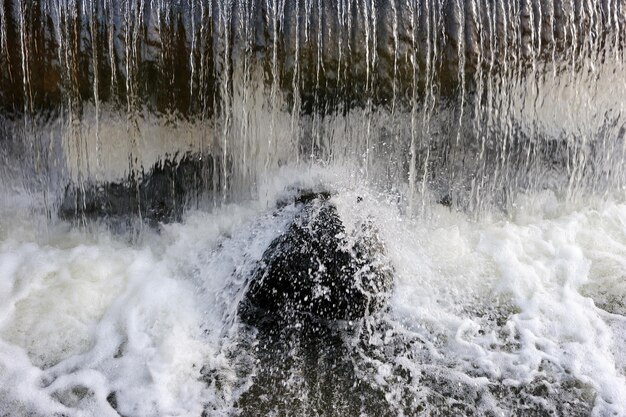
x: 91, y: 320
x: 552, y: 274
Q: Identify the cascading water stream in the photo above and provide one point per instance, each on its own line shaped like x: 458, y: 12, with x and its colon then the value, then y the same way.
x: 152, y: 151
x: 472, y: 77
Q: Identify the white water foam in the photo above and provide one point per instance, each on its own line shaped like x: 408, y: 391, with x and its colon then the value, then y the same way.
x: 510, y: 300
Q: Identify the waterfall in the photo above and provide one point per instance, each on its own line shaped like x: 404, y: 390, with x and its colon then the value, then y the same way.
x: 472, y: 99
x: 312, y: 207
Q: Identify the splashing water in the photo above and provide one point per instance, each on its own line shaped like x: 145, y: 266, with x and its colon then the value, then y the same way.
x: 471, y: 99
x: 485, y: 140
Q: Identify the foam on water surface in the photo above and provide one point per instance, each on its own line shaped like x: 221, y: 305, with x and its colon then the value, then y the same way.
x: 485, y: 140
x: 492, y: 316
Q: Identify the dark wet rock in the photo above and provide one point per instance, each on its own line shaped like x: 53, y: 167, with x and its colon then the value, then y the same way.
x: 296, y: 195
x: 160, y: 195
x: 315, y: 268
x: 292, y: 354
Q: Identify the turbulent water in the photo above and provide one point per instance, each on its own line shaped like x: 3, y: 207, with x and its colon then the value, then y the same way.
x: 484, y: 140
x: 523, y: 315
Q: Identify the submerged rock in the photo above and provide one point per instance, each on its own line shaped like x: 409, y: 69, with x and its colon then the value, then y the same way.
x: 316, y: 269
x: 292, y: 362
x: 160, y: 195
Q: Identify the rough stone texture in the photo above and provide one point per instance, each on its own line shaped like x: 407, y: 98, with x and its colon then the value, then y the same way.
x: 315, y: 268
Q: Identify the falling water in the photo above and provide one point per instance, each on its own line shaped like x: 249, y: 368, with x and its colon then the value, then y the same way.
x: 488, y: 140
x: 495, y: 94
